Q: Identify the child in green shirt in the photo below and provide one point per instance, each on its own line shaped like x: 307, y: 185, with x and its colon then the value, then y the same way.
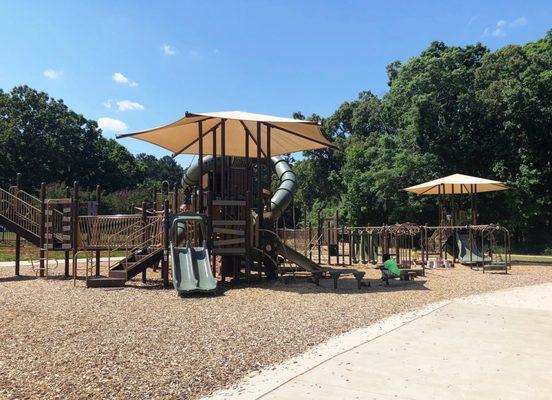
x: 389, y: 269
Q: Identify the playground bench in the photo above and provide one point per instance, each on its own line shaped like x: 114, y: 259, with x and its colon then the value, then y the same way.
x: 495, y: 267
x: 408, y: 274
x: 336, y: 274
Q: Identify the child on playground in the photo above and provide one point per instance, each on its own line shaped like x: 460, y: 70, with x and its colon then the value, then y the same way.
x: 389, y: 269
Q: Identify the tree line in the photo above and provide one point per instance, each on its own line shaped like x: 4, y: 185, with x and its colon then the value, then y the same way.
x: 44, y: 140
x: 449, y: 110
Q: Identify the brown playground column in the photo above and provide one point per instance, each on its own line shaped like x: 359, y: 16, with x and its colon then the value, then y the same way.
x: 337, y: 235
x: 98, y: 200
x: 17, y: 253
x: 42, y: 229
x: 310, y: 241
x: 144, y: 234
x: 75, y: 222
x: 165, y: 261
x: 200, y: 161
x: 66, y: 252
x: 319, y: 238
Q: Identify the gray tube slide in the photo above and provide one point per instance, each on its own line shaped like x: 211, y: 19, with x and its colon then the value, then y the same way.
x: 278, y: 202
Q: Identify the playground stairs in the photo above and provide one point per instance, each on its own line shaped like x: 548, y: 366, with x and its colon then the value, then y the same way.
x: 127, y: 268
x: 20, y: 213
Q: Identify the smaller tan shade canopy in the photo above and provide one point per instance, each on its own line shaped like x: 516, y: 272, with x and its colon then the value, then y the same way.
x: 286, y: 135
x: 457, y: 184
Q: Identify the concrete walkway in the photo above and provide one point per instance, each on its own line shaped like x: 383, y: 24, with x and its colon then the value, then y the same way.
x: 492, y: 346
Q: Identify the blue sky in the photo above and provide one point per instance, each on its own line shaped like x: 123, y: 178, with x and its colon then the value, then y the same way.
x: 134, y: 65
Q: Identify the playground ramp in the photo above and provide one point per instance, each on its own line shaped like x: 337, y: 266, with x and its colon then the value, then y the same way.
x: 192, y: 270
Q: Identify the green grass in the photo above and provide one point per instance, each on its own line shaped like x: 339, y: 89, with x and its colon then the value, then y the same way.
x: 531, y: 258
x: 10, y: 255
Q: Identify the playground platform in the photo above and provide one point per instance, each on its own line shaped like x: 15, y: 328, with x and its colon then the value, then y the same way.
x: 495, y: 345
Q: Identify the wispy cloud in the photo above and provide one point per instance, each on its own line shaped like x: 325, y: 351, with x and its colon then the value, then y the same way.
x: 120, y: 78
x: 501, y: 27
x: 169, y: 50
x: 52, y: 73
x: 518, y: 22
x: 108, y: 103
x: 193, y: 53
x: 111, y: 125
x: 127, y: 105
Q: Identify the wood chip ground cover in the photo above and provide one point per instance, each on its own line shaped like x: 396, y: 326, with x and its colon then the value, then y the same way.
x: 60, y: 342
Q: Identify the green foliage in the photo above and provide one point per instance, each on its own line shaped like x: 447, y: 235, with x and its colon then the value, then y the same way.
x: 449, y: 110
x: 47, y: 142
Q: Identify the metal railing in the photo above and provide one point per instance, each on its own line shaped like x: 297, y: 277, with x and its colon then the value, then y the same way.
x: 140, y: 238
x: 105, y: 230
x: 18, y: 211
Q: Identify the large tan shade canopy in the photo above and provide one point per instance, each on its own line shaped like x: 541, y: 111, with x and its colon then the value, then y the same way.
x: 457, y: 184
x: 286, y: 135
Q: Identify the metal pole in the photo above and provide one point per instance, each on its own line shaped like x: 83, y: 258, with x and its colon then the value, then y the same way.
x: 165, y: 261
x: 200, y: 161
x: 144, y: 234
x: 75, y: 224
x: 67, y: 258
x: 42, y: 229
x: 98, y: 199
x: 223, y: 157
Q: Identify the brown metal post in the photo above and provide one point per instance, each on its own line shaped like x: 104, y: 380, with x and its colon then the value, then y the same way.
x: 98, y: 200
x: 343, y: 245
x: 310, y: 241
x: 269, y: 168
x: 200, y: 161
x: 175, y: 203
x: 337, y: 234
x: 329, y: 239
x: 259, y: 176
x: 144, y: 234
x: 319, y: 236
x: 42, y: 229
x: 165, y: 261
x: 67, y: 258
x: 223, y: 158
x: 17, y: 237
x: 17, y: 253
x: 75, y: 220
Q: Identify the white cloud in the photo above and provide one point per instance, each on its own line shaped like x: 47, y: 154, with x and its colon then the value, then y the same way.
x: 127, y: 105
x: 518, y: 22
x: 120, y: 78
x: 52, y: 74
x: 111, y: 125
x: 169, y: 50
x: 501, y: 26
x: 108, y: 103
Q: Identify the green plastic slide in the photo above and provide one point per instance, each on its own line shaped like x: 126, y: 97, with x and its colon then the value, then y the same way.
x: 190, y: 265
x: 469, y: 254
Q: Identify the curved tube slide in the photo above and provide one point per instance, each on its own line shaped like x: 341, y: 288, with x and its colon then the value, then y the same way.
x: 279, y: 200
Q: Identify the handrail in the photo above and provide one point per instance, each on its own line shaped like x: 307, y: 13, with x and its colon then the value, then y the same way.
x: 153, y: 239
x: 20, y: 212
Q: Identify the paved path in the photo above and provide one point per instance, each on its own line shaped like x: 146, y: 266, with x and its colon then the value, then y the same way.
x: 492, y: 346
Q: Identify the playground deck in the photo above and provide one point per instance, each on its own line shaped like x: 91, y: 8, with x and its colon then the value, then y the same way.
x: 63, y: 342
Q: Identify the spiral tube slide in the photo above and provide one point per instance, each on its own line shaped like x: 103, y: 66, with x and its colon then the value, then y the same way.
x: 280, y: 199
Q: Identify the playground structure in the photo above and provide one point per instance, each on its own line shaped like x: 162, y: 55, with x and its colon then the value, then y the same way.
x: 73, y: 227
x: 235, y: 232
